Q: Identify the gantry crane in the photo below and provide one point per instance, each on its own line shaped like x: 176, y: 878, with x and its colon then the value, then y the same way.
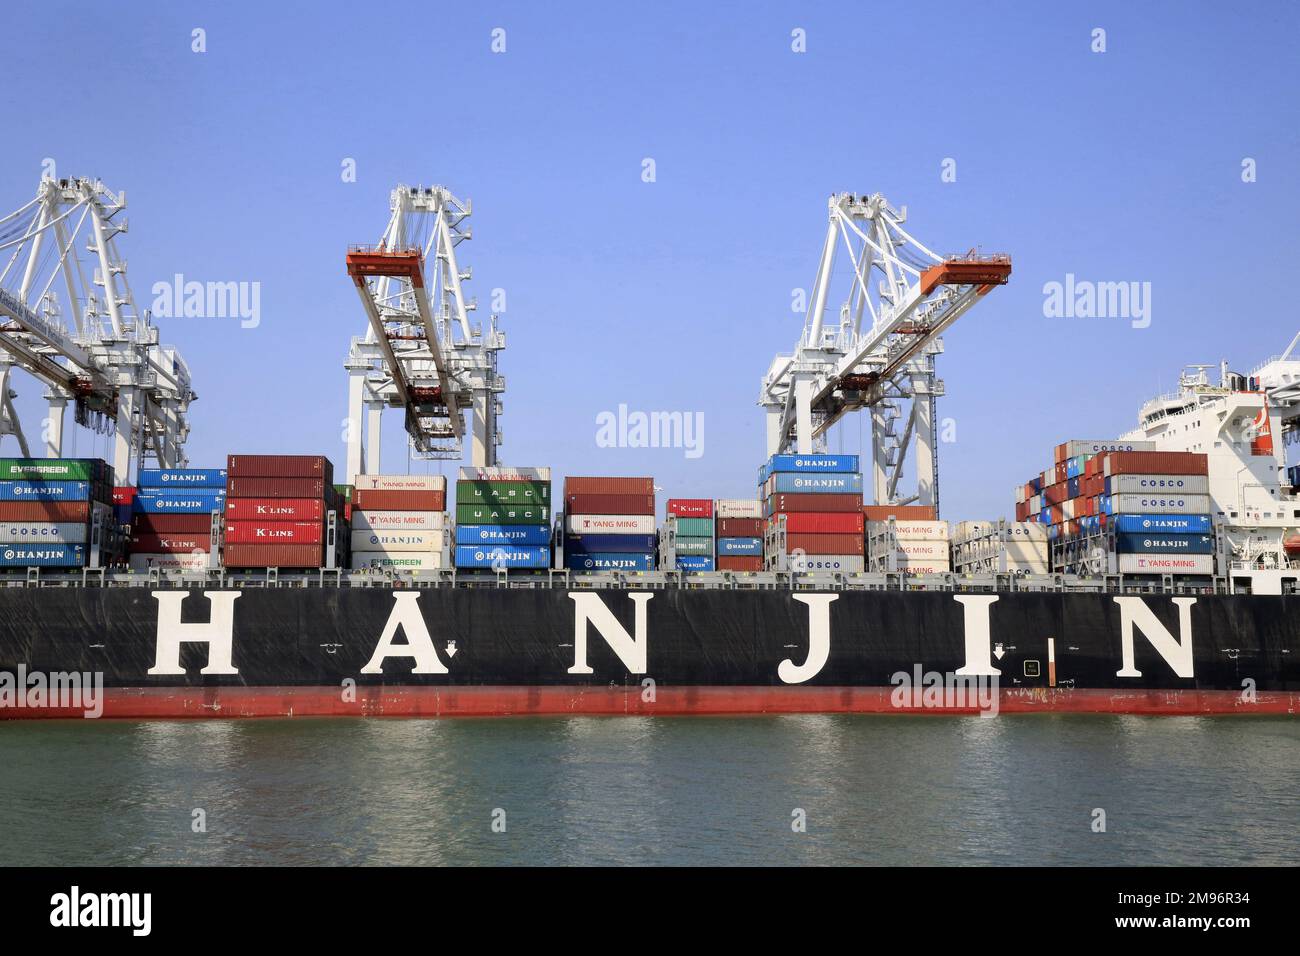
x: 75, y: 327
x: 420, y: 353
x: 881, y: 351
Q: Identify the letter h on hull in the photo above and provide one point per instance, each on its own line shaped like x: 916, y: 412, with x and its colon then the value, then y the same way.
x: 218, y: 633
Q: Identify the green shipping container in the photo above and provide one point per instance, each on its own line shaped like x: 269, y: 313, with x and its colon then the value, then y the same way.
x: 344, y: 491
x: 694, y: 545
x: 502, y: 514
x: 56, y: 469
x: 503, y: 492
x: 695, y: 527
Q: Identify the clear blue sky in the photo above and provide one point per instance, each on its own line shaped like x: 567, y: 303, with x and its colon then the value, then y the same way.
x: 675, y: 295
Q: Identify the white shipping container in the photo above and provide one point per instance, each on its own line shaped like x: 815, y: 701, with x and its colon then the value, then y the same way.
x: 1010, y: 531
x: 1160, y: 504
x: 1081, y: 446
x: 401, y: 541
x: 49, y: 532
x: 921, y: 567
x: 914, y: 550
x: 1159, y: 484
x: 825, y: 562
x: 911, y: 530
x: 398, y: 520
x: 610, y: 524
x: 402, y: 482
x: 504, y: 473
x: 738, y: 508
x: 384, y: 561
x: 1166, y: 564
x: 168, y: 562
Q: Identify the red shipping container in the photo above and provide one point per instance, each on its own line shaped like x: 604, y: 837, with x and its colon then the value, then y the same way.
x: 691, y: 507
x: 123, y: 496
x: 609, y: 504
x: 375, y: 499
x: 68, y: 512
x: 170, y: 524
x: 280, y: 466
x: 739, y: 527
x: 275, y: 532
x: 824, y: 543
x: 812, y: 522
x: 782, y: 502
x: 275, y: 488
x: 275, y: 509
x: 1055, y: 494
x: 1156, y: 463
x: 739, y: 562
x: 609, y: 486
x: 184, y: 543
x: 900, y: 512
x: 274, y: 556
x: 1022, y: 510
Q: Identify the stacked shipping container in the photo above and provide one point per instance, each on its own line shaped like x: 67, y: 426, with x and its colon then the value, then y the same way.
x: 1014, y: 547
x: 813, y: 506
x: 276, y: 510
x: 171, y: 521
x: 399, y: 522
x: 911, y: 546
x: 609, y: 524
x: 738, y: 530
x: 48, y: 509
x: 690, y: 531
x: 503, y: 518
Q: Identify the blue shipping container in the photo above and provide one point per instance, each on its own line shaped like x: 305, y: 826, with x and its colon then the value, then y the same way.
x: 523, y: 535
x: 815, y: 484
x: 808, y: 463
x: 694, y: 562
x: 1164, y: 544
x: 180, y: 502
x: 607, y: 543
x: 164, y: 479
x: 502, y: 556
x: 1167, y: 524
x: 44, y: 491
x: 611, y: 561
x: 740, y: 546
x: 42, y: 555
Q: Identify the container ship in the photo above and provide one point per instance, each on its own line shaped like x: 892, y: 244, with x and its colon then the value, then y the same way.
x: 1150, y: 573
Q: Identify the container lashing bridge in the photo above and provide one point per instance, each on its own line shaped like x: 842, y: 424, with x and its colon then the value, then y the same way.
x: 420, y: 352
x: 880, y: 353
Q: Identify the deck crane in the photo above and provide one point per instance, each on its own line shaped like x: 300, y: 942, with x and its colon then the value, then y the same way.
x: 420, y: 353
x: 74, y: 326
x: 880, y: 353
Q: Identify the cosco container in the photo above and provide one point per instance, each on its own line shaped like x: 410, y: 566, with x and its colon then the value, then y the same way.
x: 609, y: 486
x: 280, y: 466
x: 44, y: 491
x: 401, y: 483
x: 42, y: 555
x: 399, y: 520
x: 274, y: 556
x: 182, y: 478
x: 275, y: 509
x: 690, y: 507
x: 1199, y: 564
x: 610, y: 524
x: 603, y: 504
x: 503, y: 492
x: 496, y: 557
x: 848, y: 563
x: 180, y: 501
x: 814, y: 484
x: 502, y: 514
x: 812, y: 522
x: 486, y: 534
x: 780, y: 504
x: 23, y: 532
x: 371, y: 499
x: 275, y: 487
x: 399, y: 540
x: 611, y: 561
x: 275, y: 532
x: 694, y: 564
x: 1080, y: 446
x: 171, y: 543
x: 695, y: 527
x: 604, y: 543
x: 1158, y: 484
x: 740, y: 546
x: 1166, y: 524
x: 1157, y: 504
x: 1164, y: 544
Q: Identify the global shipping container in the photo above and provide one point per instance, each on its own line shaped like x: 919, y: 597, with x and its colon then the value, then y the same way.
x: 275, y: 488
x: 400, y: 521
x: 274, y: 556
x: 609, y: 504
x: 275, y: 532
x: 610, y: 524
x: 275, y: 509
x: 1167, y: 524
x: 1144, y: 484
x: 502, y: 514
x: 42, y: 555
x: 180, y: 501
x: 280, y: 466
x: 491, y: 557
x: 400, y: 483
x: 609, y: 486
x: 486, y: 534
x: 611, y: 561
x: 739, y: 563
x: 784, y: 503
x: 22, y: 490
x: 182, y: 478
x: 693, y: 545
x: 503, y: 492
x: 58, y: 532
x: 606, y: 543
x: 1198, y: 564
x: 690, y: 507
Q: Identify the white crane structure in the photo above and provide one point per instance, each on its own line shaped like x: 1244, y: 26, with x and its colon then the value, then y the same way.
x: 879, y: 352
x: 67, y: 317
x: 420, y: 352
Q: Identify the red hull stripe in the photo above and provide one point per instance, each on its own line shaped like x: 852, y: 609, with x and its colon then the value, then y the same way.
x: 427, y: 701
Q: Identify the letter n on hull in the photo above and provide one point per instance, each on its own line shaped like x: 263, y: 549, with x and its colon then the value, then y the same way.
x: 1134, y: 613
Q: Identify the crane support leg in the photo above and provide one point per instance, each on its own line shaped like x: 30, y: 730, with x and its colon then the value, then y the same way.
x: 483, y: 450
x: 374, y: 420
x: 352, y: 426
x: 879, y: 454
x: 923, y: 416
x: 803, y: 396
x: 774, y: 416
x: 124, y: 439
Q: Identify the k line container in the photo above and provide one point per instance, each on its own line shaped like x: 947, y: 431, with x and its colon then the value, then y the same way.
x: 397, y: 561
x: 815, y: 484
x: 1158, y: 484
x: 368, y: 499
x: 743, y: 547
x: 501, y: 534
x: 400, y: 541
x: 141, y: 562
x: 836, y: 522
x: 610, y: 524
x: 60, y: 532
x: 275, y: 488
x: 280, y: 466
x: 607, y: 543
x: 739, y: 563
x: 400, y: 483
x: 1164, y: 544
x: 502, y: 514
x: 600, y: 504
x: 275, y: 509
x: 610, y: 561
x: 502, y: 556
x: 1166, y: 524
x: 690, y: 507
x: 42, y: 555
x: 275, y: 532
x: 1199, y: 564
x: 180, y: 501
x: 45, y: 491
x: 503, y: 492
x: 399, y: 520
x: 693, y: 564
x: 1158, y: 504
x: 740, y: 527
x: 738, y: 508
x: 274, y: 556
x: 784, y: 503
x: 609, y: 486
x: 171, y: 543
x: 182, y: 478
